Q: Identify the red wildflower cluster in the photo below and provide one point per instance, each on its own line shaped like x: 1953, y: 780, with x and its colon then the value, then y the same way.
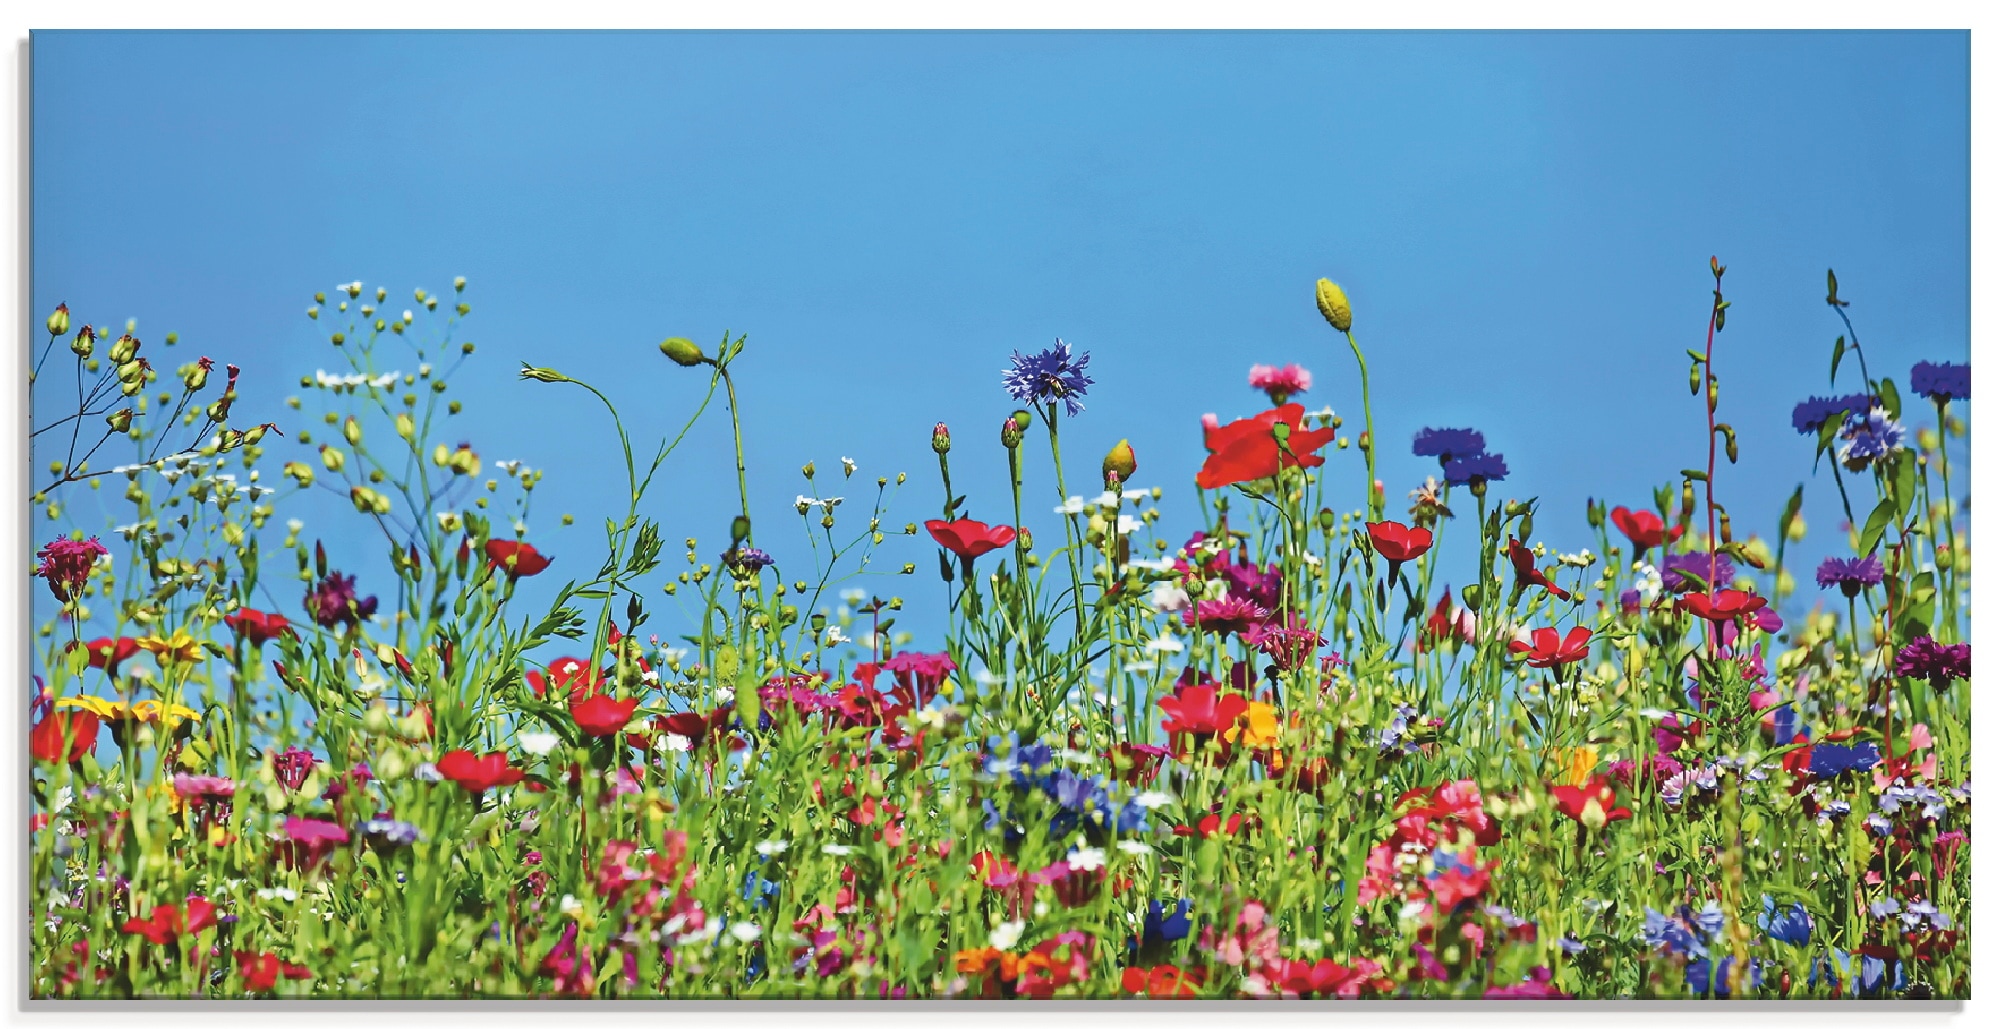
x: 169, y: 923
x: 1256, y: 448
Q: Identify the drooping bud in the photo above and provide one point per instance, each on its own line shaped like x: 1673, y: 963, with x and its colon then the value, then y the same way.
x: 683, y: 352
x: 59, y: 320
x: 119, y: 420
x: 1333, y: 306
x: 542, y: 374
x: 941, y: 438
x: 1121, y: 462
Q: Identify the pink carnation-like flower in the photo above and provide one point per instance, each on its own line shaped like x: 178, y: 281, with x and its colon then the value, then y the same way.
x: 66, y: 564
x: 1280, y: 383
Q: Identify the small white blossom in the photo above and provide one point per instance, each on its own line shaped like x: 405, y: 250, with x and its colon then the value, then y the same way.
x: 836, y: 849
x: 1153, y: 799
x: 1165, y: 643
x: 539, y: 743
x: 772, y: 848
x: 1006, y: 935
x: 1086, y: 859
x: 745, y: 931
x: 1134, y: 848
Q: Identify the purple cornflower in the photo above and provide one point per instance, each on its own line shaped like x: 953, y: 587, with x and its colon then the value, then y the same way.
x: 1475, y: 468
x: 1926, y: 658
x: 1831, y: 759
x: 1685, y: 931
x: 1869, y: 438
x: 1049, y: 375
x: 1446, y: 444
x: 1942, y: 380
x: 747, y: 561
x: 1850, y: 573
x: 1811, y: 413
x: 1681, y: 573
x: 334, y: 602
x: 391, y: 831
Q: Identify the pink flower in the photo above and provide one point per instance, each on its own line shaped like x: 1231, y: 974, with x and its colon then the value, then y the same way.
x: 1230, y: 614
x: 66, y: 564
x: 1280, y: 383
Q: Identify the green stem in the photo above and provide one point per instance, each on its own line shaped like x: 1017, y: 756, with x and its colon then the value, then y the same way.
x: 1069, y: 522
x: 1375, y: 501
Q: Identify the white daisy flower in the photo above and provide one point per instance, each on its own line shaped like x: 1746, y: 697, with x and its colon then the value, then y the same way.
x: 538, y: 743
x: 1006, y: 935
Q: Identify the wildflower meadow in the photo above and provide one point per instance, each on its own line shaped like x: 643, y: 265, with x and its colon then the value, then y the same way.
x: 1263, y: 741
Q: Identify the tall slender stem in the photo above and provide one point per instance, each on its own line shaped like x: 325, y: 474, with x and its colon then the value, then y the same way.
x: 1375, y: 503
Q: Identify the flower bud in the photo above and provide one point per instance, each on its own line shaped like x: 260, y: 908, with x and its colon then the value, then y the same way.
x: 406, y: 426
x: 739, y: 529
x: 1326, y: 519
x: 1010, y: 433
x: 941, y: 439
x: 683, y: 352
x: 333, y: 457
x: 124, y: 349
x: 376, y: 719
x: 1796, y: 531
x: 59, y: 320
x: 352, y: 430
x: 808, y: 471
x: 119, y: 420
x: 194, y: 376
x: 85, y: 343
x: 1333, y: 306
x: 300, y: 472
x: 440, y: 456
x: 1120, y: 461
x: 542, y: 374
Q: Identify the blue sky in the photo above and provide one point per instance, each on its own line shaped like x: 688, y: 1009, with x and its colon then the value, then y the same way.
x: 1522, y: 220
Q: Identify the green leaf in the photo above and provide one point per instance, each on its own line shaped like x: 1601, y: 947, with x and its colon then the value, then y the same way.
x: 1892, y: 401
x: 1878, y: 523
x: 1832, y: 289
x: 1791, y: 509
x: 1695, y: 474
x: 1839, y: 351
x: 1904, y: 483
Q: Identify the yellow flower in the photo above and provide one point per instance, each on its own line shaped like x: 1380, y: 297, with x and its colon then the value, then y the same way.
x: 170, y: 715
x: 95, y: 705
x: 1575, y: 765
x: 1257, y: 726
x: 178, y: 647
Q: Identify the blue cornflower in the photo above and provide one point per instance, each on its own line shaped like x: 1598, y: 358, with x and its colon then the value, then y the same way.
x: 1681, y: 573
x: 390, y: 831
x: 1868, y: 438
x: 1706, y: 977
x: 1482, y: 467
x: 1812, y: 412
x: 1446, y: 444
x: 1830, y: 759
x: 1792, y: 925
x: 1162, y: 927
x: 1049, y: 375
x: 758, y: 890
x: 1941, y: 380
x: 1686, y: 931
x: 1850, y: 573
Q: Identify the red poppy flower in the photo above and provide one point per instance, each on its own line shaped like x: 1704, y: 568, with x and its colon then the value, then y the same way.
x: 1398, y: 542
x: 1549, y: 650
x: 1593, y: 804
x: 1211, y: 825
x: 1722, y: 605
x: 478, y: 773
x: 1200, y: 712
x: 169, y: 922
x: 108, y: 653
x: 64, y: 737
x: 703, y: 731
x: 1525, y: 572
x: 257, y: 626
x: 968, y: 538
x: 261, y: 971
x: 1163, y: 982
x: 1247, y: 449
x: 1643, y: 528
x: 515, y: 558
x: 565, y: 673
x: 598, y: 715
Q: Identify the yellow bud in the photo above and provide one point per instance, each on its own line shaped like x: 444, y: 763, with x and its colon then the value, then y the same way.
x: 1333, y: 306
x: 333, y: 457
x: 1796, y: 531
x: 352, y: 430
x: 682, y: 352
x: 1121, y: 460
x: 439, y: 455
x: 406, y: 426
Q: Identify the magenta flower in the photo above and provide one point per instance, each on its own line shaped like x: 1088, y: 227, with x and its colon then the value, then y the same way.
x: 292, y: 765
x: 1280, y: 383
x: 1230, y: 614
x: 1926, y: 658
x: 66, y: 564
x: 334, y: 603
x: 310, y: 841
